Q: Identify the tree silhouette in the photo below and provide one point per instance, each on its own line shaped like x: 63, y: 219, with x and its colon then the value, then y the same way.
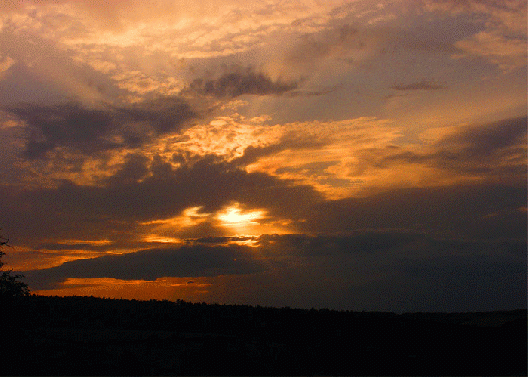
x: 10, y: 285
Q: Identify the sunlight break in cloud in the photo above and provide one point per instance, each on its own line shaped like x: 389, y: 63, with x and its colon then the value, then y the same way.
x: 234, y: 216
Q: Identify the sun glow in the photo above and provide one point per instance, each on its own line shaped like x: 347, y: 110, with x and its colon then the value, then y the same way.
x: 161, y: 239
x: 190, y: 217
x: 234, y: 216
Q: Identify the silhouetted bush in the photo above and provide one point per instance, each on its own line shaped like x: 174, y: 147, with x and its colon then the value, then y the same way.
x: 10, y: 285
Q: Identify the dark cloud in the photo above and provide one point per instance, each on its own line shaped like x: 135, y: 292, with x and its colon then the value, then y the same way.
x: 185, y: 261
x: 389, y: 271
x: 320, y: 245
x: 421, y: 85
x: 164, y: 114
x: 240, y: 83
x: 252, y: 154
x: 473, y: 211
x: 483, y: 140
x: 407, y: 244
x: 90, y: 130
x: 315, y: 168
x: 290, y: 141
x: 207, y: 182
x: 460, y: 283
x: 496, y: 149
x: 63, y: 125
x: 143, y: 191
x: 372, y: 270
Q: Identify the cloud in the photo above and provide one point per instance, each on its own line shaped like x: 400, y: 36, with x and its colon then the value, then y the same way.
x: 325, y: 155
x: 185, y: 261
x: 354, y: 242
x: 399, y: 269
x: 507, y: 14
x: 42, y: 67
x: 364, y: 155
x: 421, y: 85
x: 506, y: 52
x: 384, y: 271
x: 5, y: 64
x: 142, y: 191
x: 91, y: 130
x: 494, y: 151
x: 489, y: 139
x: 281, y: 180
x: 502, y: 41
x: 208, y: 182
x: 350, y: 163
x: 461, y: 211
x: 341, y: 41
x: 232, y: 85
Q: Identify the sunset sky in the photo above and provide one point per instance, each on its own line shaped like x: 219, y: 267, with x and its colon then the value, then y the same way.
x: 360, y: 155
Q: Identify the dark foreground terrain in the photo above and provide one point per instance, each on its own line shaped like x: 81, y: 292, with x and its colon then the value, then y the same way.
x: 94, y: 336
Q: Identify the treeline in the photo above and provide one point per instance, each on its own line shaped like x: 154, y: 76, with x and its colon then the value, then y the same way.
x: 163, y: 337
x: 179, y: 315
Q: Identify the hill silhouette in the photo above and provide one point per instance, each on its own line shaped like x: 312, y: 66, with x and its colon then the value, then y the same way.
x: 96, y: 336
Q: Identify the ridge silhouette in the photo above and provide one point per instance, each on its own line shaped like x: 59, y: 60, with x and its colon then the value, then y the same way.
x: 97, y: 336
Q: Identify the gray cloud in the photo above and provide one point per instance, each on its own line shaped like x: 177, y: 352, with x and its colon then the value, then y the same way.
x: 185, y: 261
x: 207, y: 182
x: 66, y: 125
x: 472, y: 211
x: 89, y: 130
x: 352, y: 243
x: 463, y: 280
x: 390, y: 271
x: 112, y: 210
x: 290, y: 141
x: 484, y: 140
x: 372, y: 270
x: 481, y: 149
x: 239, y: 83
x: 143, y: 191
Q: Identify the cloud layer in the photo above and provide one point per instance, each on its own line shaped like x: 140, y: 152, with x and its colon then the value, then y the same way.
x: 398, y: 269
x: 186, y: 261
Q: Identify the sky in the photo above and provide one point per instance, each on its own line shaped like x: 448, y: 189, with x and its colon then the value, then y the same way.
x: 352, y: 155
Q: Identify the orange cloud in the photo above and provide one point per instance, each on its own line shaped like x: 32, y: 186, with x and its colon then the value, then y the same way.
x: 188, y: 289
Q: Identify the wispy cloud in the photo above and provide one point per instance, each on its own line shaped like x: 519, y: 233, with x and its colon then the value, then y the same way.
x: 421, y: 85
x: 503, y: 40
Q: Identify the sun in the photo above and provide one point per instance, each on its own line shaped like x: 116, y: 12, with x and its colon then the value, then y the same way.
x: 238, y: 221
x: 234, y: 216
